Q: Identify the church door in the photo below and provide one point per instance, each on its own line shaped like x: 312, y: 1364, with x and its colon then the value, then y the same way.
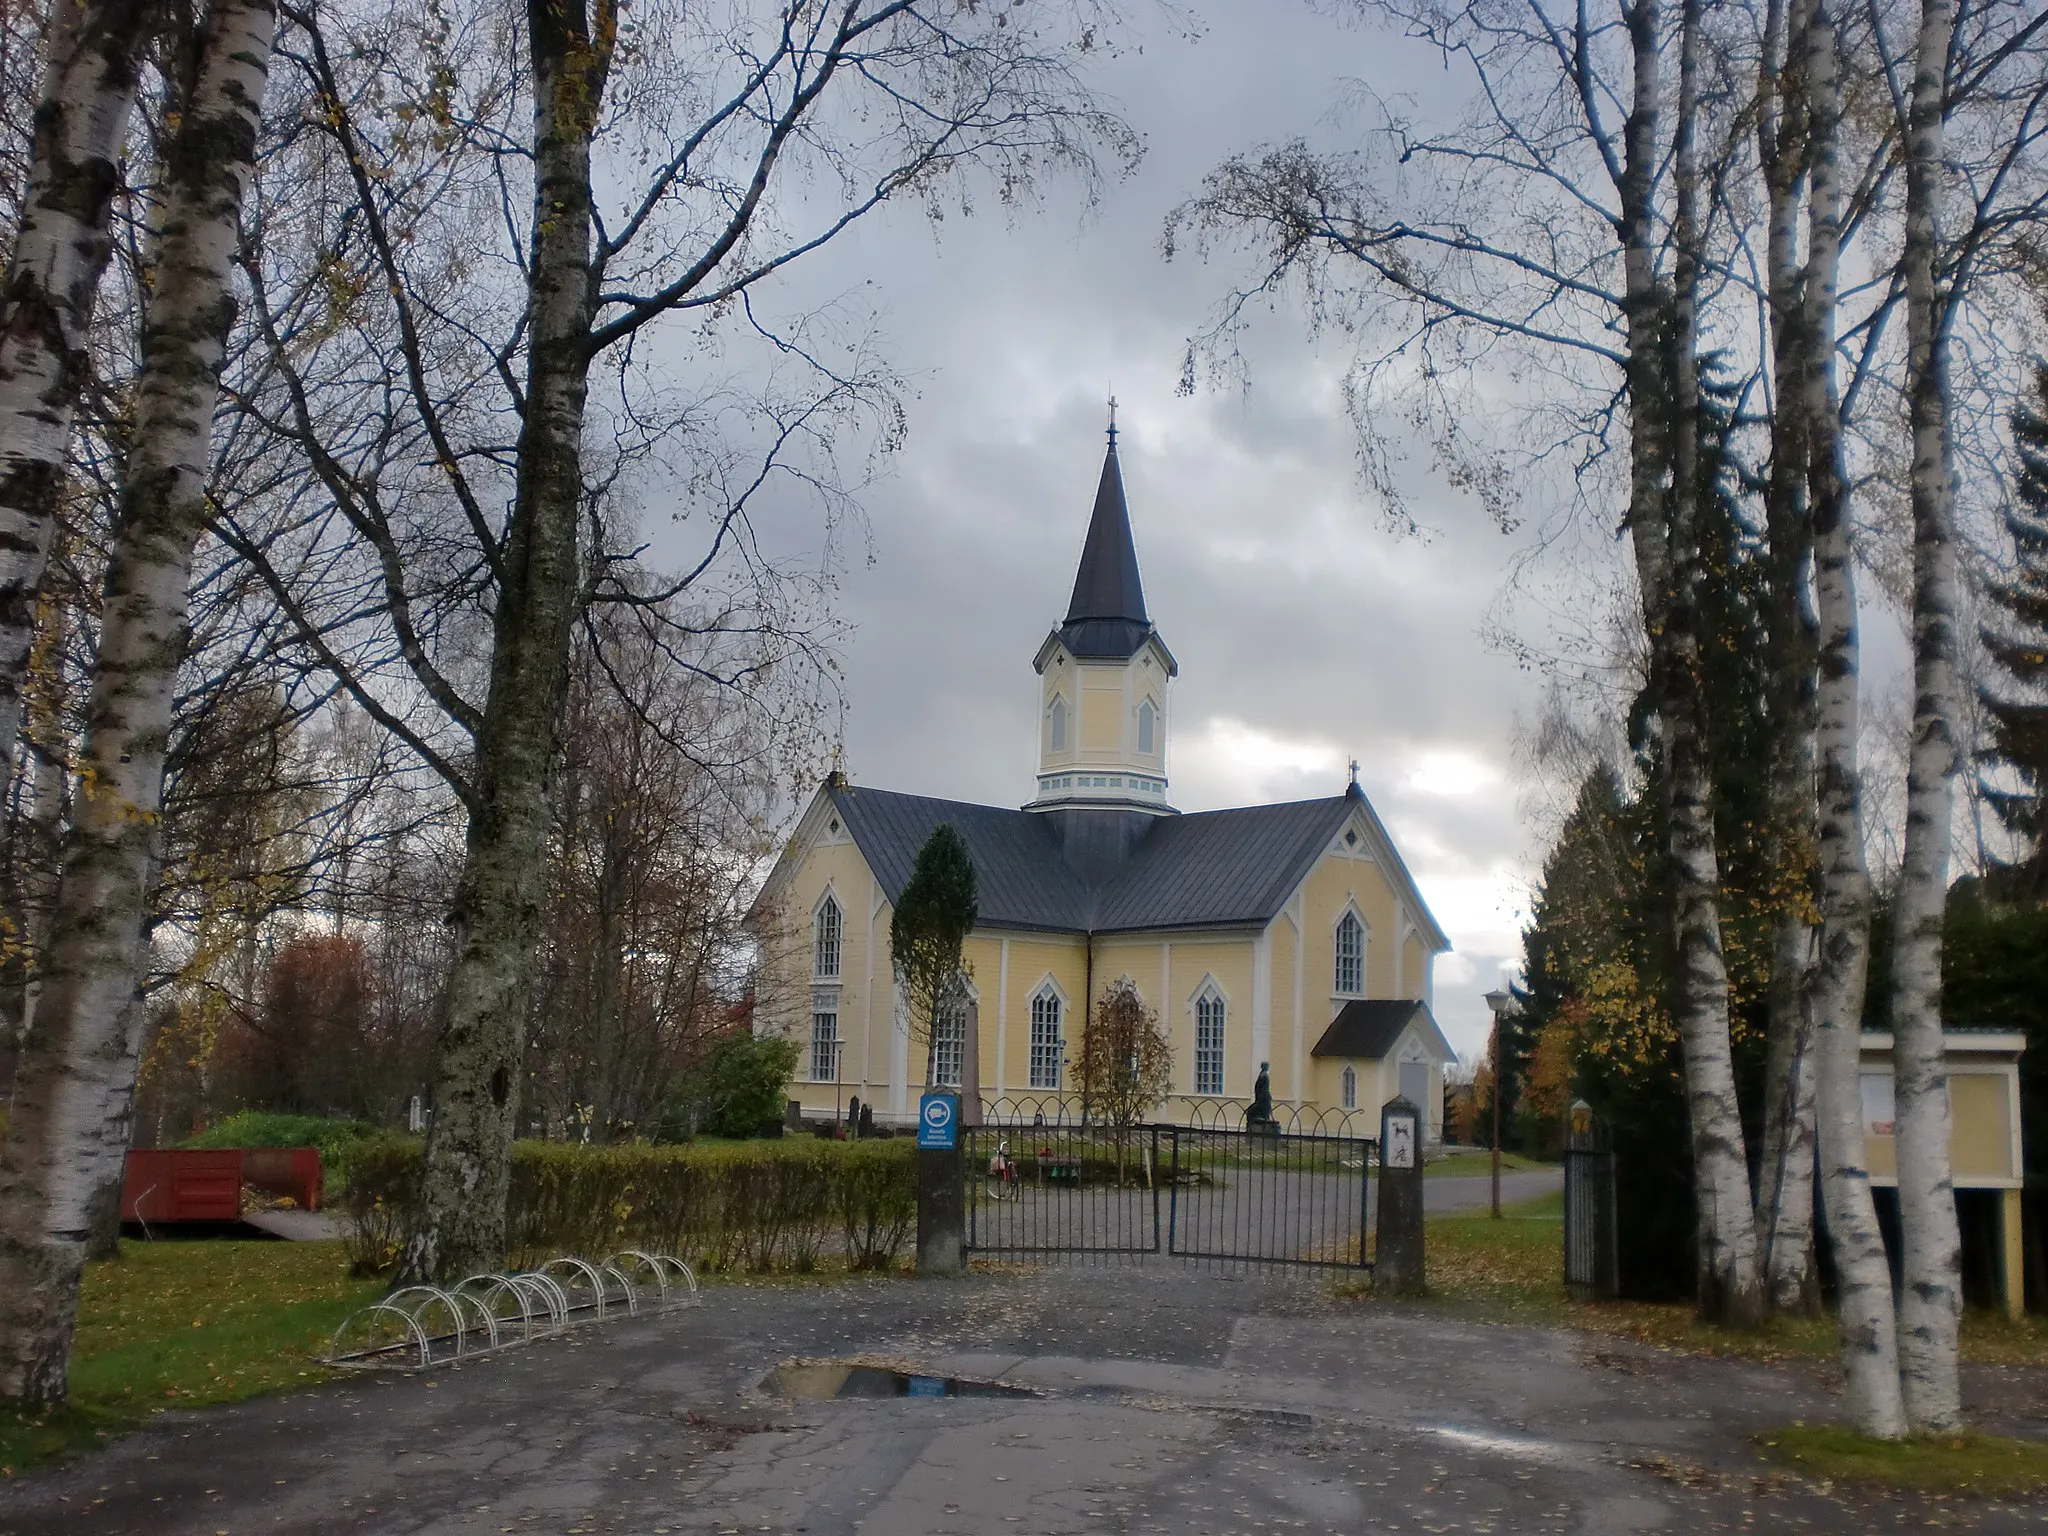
x: 1415, y: 1086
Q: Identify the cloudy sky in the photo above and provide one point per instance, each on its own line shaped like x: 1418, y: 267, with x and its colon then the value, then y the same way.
x: 1308, y: 633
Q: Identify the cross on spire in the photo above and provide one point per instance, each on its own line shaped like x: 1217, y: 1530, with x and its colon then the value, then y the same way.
x: 1112, y: 421
x: 1354, y: 773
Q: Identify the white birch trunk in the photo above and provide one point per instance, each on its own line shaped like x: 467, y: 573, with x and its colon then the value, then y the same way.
x: 60, y: 252
x: 1865, y: 1315
x: 69, y: 1131
x: 1730, y: 1285
x: 1930, y: 1304
x: 1785, y: 1195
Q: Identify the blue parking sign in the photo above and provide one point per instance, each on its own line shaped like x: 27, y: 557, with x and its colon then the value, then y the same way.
x: 938, y: 1121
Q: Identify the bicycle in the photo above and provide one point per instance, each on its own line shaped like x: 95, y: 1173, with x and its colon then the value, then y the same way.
x: 1002, y: 1174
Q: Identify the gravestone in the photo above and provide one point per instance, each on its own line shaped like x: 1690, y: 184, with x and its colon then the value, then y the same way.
x: 1397, y: 1255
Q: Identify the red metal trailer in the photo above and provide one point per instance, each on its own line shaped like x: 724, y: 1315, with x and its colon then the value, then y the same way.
x: 166, y: 1185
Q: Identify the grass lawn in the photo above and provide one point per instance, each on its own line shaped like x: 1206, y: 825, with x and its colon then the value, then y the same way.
x: 184, y: 1324
x: 1477, y: 1163
x: 1512, y: 1271
x: 1987, y: 1466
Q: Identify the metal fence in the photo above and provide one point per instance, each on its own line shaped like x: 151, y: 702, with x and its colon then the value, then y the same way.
x: 1053, y: 1188
x: 1268, y: 1196
x: 1040, y: 1182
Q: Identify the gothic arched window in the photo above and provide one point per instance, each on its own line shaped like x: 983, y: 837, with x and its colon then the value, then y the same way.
x: 1350, y: 978
x: 1350, y: 1085
x: 825, y: 954
x: 1148, y: 727
x: 1057, y: 723
x: 1210, y: 1017
x: 1047, y: 1048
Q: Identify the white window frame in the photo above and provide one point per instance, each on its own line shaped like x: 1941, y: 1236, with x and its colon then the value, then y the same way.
x: 822, y: 948
x: 1212, y: 1012
x: 1056, y: 723
x: 1337, y: 969
x: 1048, y: 1052
x: 949, y: 1040
x: 825, y: 1039
x: 1148, y: 727
x: 1347, y: 1087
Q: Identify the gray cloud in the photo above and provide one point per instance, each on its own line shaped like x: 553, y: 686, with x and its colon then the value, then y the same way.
x: 1306, y: 631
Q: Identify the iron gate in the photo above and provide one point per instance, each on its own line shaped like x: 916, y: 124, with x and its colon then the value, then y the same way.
x: 1047, y: 1186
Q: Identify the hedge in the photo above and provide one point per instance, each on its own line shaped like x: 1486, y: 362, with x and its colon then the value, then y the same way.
x: 757, y: 1206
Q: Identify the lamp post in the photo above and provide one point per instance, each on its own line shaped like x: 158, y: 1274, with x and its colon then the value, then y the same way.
x: 1500, y: 1002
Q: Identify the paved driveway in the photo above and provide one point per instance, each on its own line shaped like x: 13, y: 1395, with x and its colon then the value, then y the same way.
x: 1176, y: 1398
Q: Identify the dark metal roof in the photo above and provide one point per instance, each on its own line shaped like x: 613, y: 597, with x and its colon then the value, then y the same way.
x: 1107, y: 614
x: 1367, y: 1028
x: 1020, y: 878
x: 1214, y: 869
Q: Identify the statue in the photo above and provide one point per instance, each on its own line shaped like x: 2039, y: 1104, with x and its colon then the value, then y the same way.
x: 1260, y: 1115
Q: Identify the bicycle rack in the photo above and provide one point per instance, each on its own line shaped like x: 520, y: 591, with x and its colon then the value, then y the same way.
x: 423, y: 1325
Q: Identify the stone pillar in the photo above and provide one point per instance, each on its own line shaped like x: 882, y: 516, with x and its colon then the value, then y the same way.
x: 1397, y: 1255
x: 941, y: 1187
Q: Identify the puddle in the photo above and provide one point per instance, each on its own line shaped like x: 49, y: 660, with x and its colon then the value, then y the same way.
x: 821, y: 1380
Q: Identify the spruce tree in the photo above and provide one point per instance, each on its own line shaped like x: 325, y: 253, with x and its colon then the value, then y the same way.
x: 928, y: 931
x: 2017, y: 641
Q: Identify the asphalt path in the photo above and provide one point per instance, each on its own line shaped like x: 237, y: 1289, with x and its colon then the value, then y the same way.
x: 1165, y: 1397
x: 1450, y: 1193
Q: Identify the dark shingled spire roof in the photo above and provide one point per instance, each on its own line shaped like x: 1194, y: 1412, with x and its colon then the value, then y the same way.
x: 1107, y: 614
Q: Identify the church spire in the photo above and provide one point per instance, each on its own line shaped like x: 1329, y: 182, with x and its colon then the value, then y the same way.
x: 1103, y: 675
x: 1106, y: 586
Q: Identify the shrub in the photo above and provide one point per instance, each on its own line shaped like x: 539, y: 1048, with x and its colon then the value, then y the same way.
x: 741, y: 1086
x: 377, y: 1200
x: 875, y: 1192
x: 336, y: 1139
x: 759, y: 1206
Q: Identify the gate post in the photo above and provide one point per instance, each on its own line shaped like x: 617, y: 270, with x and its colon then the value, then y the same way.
x: 1591, y: 1254
x: 1397, y: 1259
x: 941, y: 1187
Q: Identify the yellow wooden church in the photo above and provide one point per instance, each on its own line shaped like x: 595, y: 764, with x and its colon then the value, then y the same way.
x: 1285, y: 936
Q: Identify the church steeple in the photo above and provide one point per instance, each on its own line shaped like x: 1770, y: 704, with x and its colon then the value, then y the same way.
x: 1103, y: 672
x: 1106, y: 586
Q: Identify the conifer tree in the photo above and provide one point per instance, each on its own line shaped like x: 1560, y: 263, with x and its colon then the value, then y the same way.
x: 2018, y: 643
x: 928, y: 931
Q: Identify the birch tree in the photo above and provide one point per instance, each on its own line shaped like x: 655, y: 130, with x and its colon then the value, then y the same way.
x: 70, y: 1124
x: 1864, y: 1306
x: 94, y: 57
x: 1784, y: 116
x: 1930, y: 1301
x: 461, y: 338
x: 1547, y: 229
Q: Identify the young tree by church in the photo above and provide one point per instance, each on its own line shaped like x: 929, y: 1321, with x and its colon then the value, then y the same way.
x: 927, y: 933
x: 1126, y: 1063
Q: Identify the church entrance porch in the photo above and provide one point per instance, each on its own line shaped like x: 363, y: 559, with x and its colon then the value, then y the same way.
x: 1046, y: 1186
